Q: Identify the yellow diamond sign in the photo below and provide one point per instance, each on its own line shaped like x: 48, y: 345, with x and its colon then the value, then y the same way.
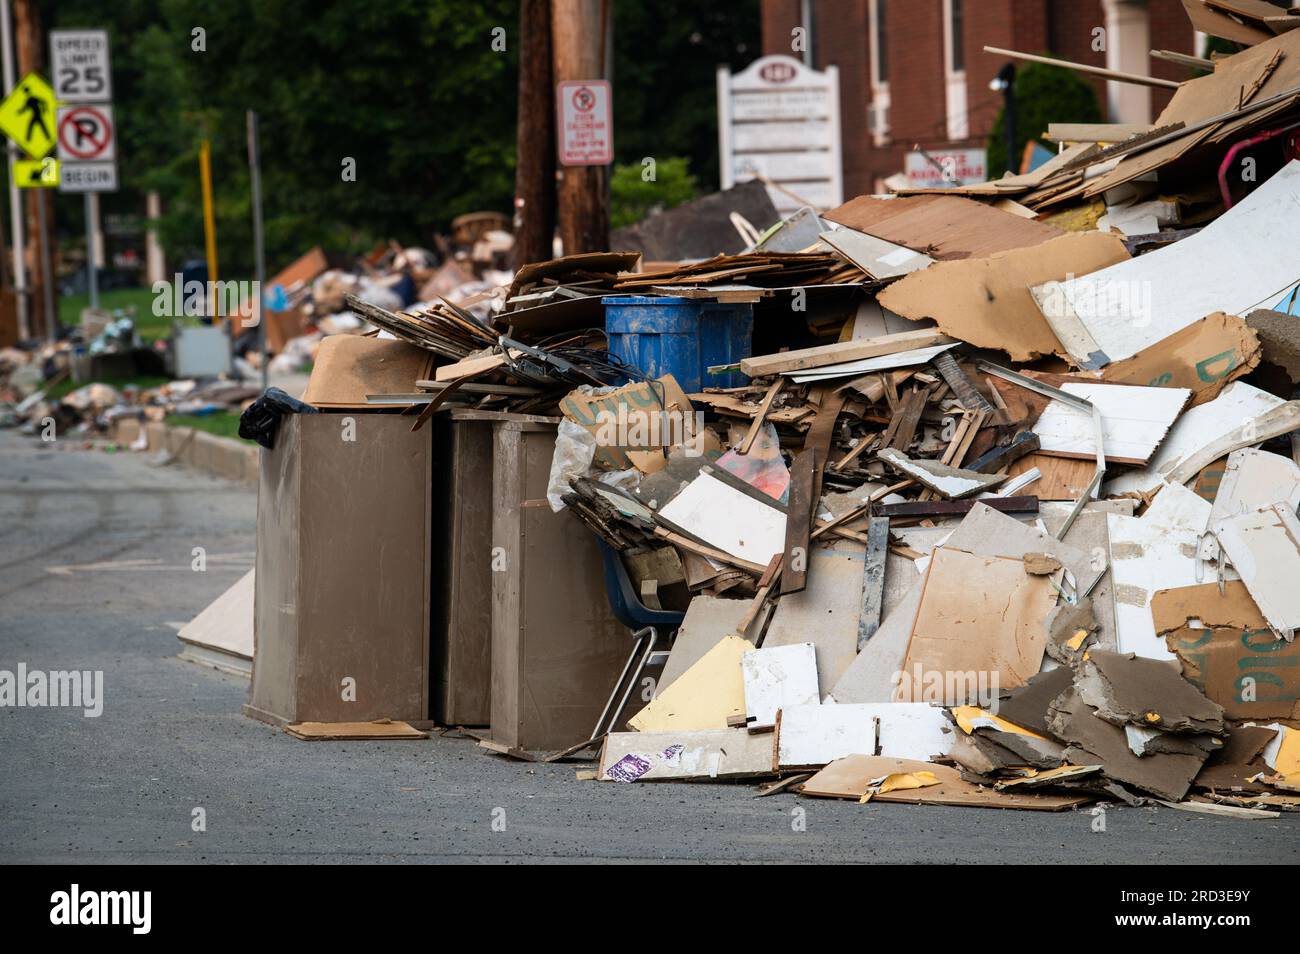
x: 27, y: 116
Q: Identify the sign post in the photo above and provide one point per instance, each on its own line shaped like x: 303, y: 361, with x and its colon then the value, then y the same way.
x: 780, y: 121
x: 87, y: 136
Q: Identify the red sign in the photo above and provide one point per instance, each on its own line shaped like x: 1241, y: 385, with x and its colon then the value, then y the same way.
x: 86, y: 133
x: 586, y: 123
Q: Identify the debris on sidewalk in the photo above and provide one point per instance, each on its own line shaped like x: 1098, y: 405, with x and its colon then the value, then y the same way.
x: 939, y: 500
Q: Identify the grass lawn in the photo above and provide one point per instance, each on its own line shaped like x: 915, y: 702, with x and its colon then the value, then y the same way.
x: 221, y: 423
x: 67, y: 385
x: 149, y: 326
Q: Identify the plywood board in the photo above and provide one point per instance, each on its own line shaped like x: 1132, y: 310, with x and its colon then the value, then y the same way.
x: 664, y: 756
x: 777, y: 677
x: 826, y: 613
x: 383, y: 729
x: 872, y: 675
x: 903, y: 359
x: 978, y: 615
x: 840, y: 352
x: 1134, y: 420
x: 728, y: 519
x: 1231, y: 265
x: 703, y: 697
x: 223, y: 631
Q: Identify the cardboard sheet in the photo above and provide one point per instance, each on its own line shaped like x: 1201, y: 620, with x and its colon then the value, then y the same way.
x: 977, y: 615
x: 645, y: 415
x: 1202, y: 357
x: 222, y: 634
x: 986, y: 301
x: 986, y: 532
x: 348, y: 367
x: 851, y: 777
x: 1226, y: 649
x: 1231, y: 265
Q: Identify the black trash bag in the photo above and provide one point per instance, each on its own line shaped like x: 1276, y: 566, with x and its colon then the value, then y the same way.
x: 261, y: 418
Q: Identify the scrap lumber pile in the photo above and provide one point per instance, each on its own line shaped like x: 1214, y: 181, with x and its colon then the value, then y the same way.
x: 1017, y: 530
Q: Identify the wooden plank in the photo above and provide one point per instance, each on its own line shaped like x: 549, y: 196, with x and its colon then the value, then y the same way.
x: 798, y: 522
x: 949, y: 508
x: 761, y: 416
x: 822, y: 355
x: 1117, y: 76
x: 902, y: 426
x: 873, y: 579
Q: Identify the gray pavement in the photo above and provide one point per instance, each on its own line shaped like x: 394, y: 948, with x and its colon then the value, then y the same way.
x: 95, y: 562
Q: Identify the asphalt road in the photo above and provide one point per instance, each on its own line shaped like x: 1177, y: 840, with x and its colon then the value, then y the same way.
x: 95, y: 562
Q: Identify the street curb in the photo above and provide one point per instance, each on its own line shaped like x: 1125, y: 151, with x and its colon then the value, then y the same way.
x: 218, y: 456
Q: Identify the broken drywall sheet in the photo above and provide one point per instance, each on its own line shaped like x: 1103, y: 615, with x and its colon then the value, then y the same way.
x: 708, y: 620
x: 811, y: 736
x: 826, y: 613
x: 1231, y: 265
x: 978, y: 615
x: 728, y: 519
x: 988, y: 532
x: 1157, y: 551
x: 952, y: 483
x: 1134, y: 420
x: 1228, y: 651
x: 1150, y: 693
x: 777, y: 677
x: 1264, y: 548
x: 1094, y: 741
x: 659, y: 756
x: 986, y: 301
x: 703, y: 697
x: 1251, y: 479
x: 911, y: 730
x: 1233, y: 415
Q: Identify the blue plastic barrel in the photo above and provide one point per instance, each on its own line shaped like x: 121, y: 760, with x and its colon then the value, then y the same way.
x: 681, y: 336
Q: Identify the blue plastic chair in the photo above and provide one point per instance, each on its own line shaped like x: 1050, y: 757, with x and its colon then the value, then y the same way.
x: 645, y: 623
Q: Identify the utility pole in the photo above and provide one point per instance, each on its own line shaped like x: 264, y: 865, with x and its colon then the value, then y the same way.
x: 578, y: 40
x: 40, y: 205
x: 15, y: 199
x: 535, y: 139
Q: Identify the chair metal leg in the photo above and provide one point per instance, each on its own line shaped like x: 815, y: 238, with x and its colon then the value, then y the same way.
x: 654, y: 635
x: 636, y: 648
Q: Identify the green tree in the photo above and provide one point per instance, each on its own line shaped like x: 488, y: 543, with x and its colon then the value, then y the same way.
x: 1044, y: 94
x: 632, y: 196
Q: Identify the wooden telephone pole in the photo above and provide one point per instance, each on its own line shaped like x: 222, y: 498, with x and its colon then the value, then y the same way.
x: 535, y: 140
x: 578, y: 38
x: 30, y: 41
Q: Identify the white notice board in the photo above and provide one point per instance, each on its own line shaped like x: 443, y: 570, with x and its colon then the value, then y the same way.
x: 779, y: 119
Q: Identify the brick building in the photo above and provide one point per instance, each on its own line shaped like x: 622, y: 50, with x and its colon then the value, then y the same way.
x: 915, y: 71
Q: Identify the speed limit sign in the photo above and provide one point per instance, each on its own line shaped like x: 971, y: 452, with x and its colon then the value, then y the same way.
x: 79, y: 66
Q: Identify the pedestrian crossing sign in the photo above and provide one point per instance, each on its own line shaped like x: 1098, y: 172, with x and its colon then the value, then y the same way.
x: 27, y: 116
